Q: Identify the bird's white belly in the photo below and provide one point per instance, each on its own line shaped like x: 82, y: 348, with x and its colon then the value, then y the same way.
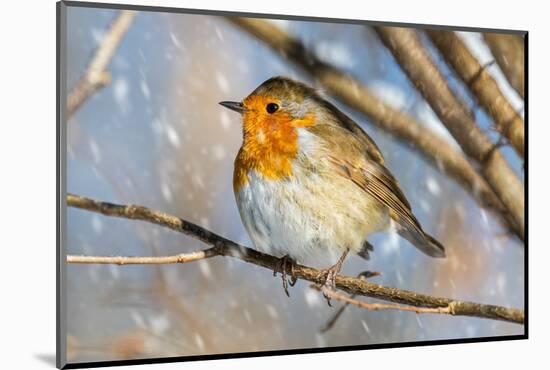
x: 308, y: 218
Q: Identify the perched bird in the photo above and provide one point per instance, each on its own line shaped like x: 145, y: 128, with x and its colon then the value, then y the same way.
x: 310, y: 184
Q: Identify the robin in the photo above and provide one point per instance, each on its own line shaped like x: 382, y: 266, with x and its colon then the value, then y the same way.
x: 311, y: 185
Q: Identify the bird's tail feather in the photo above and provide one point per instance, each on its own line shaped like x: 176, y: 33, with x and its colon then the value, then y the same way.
x: 424, y: 242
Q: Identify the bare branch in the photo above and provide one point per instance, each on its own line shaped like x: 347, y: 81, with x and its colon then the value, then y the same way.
x: 157, y: 260
x: 409, y: 52
x: 334, y: 318
x: 353, y: 93
x: 509, y: 52
x: 482, y: 84
x: 330, y: 323
x: 228, y: 248
x: 96, y: 76
x: 332, y: 294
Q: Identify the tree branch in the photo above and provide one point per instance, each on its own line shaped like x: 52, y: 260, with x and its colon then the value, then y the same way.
x: 162, y: 260
x: 509, y: 52
x: 96, y: 77
x: 332, y: 294
x: 482, y: 84
x: 353, y: 93
x: 415, y: 61
x: 228, y: 248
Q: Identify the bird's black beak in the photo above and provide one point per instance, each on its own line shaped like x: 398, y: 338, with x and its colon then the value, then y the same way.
x: 233, y: 105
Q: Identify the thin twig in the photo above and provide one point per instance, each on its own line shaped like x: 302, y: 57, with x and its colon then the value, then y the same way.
x: 228, y: 248
x: 156, y: 260
x: 509, y: 52
x: 96, y: 76
x: 414, y: 59
x: 353, y: 93
x: 332, y: 294
x: 487, y: 92
x: 330, y: 323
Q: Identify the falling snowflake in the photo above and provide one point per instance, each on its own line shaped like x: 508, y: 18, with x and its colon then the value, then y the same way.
x: 204, y: 267
x: 205, y: 222
x: 433, y: 186
x: 159, y: 324
x: 175, y: 40
x: 501, y: 283
x: 172, y: 135
x: 218, y: 151
x: 335, y: 53
x: 390, y: 94
x: 365, y: 326
x: 247, y: 316
x: 166, y: 192
x: 97, y: 224
x: 97, y: 35
x: 96, y: 154
x: 222, y: 82
x: 199, y: 341
x: 120, y: 92
x: 272, y: 312
x: 114, y: 270
x: 219, y: 33
x: 137, y: 318
x: 225, y: 120
x: 312, y: 298
x: 145, y: 89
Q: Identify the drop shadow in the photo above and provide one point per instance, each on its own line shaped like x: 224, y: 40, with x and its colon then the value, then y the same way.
x: 47, y: 358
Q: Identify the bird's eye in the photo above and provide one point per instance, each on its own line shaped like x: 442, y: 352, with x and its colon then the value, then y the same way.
x: 271, y: 108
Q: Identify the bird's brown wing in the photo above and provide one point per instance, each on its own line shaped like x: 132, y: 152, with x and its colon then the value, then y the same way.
x: 360, y: 160
x: 340, y: 119
x: 379, y: 183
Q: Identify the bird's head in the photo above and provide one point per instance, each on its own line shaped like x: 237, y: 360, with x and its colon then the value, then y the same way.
x: 275, y: 116
x: 276, y: 108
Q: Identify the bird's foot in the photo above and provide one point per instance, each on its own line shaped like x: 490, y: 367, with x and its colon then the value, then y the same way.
x: 286, y: 267
x: 330, y: 323
x: 329, y: 276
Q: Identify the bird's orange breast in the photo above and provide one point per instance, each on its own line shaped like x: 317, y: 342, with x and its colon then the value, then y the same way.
x: 270, y: 142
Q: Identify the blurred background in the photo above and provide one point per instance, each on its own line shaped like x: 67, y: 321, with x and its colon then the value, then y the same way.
x: 156, y: 136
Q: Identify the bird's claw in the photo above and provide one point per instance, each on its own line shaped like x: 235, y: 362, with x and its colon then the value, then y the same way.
x: 282, y: 267
x: 329, y: 276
